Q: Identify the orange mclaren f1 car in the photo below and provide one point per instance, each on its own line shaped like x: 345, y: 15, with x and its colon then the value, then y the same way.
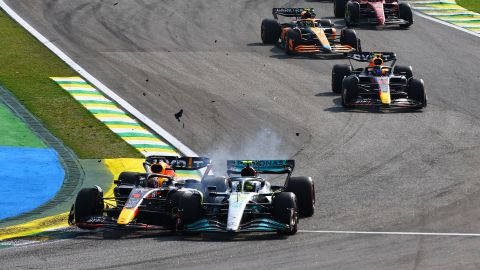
x: 306, y: 34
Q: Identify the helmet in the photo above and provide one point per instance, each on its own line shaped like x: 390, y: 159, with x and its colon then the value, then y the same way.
x: 159, y: 168
x: 305, y: 14
x: 248, y: 171
x: 249, y: 186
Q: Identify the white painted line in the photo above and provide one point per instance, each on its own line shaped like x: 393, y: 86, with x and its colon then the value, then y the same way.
x: 90, y: 98
x: 393, y: 233
x: 446, y: 23
x: 130, y: 130
x: 116, y: 119
x: 76, y: 88
x: 145, y: 142
x: 99, y: 85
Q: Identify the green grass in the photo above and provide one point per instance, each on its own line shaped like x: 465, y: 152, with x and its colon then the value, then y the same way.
x: 473, y: 5
x: 25, y: 68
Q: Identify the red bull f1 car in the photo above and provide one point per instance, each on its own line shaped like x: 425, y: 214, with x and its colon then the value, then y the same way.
x: 378, y: 85
x: 246, y: 202
x: 149, y: 200
x: 376, y: 12
x: 306, y: 34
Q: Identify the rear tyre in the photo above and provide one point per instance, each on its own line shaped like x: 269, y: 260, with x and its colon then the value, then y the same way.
x: 338, y: 73
x: 128, y: 177
x: 89, y: 202
x: 304, y: 190
x: 292, y: 39
x: 219, y: 182
x: 349, y: 37
x: 326, y: 23
x: 270, y: 31
x: 352, y: 14
x: 406, y: 70
x: 283, y: 204
x: 339, y: 8
x: 416, y: 91
x: 405, y: 13
x: 349, y: 91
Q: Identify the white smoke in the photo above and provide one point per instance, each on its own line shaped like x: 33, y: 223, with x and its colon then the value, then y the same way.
x: 264, y: 144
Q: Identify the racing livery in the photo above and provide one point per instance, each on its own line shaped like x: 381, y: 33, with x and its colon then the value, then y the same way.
x: 306, y: 34
x: 246, y: 202
x: 378, y: 85
x: 377, y: 12
x: 141, y: 200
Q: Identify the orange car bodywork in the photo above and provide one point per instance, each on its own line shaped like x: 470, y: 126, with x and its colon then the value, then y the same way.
x: 326, y: 40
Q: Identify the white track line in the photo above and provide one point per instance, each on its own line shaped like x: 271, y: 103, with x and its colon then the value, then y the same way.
x: 446, y: 23
x: 99, y: 85
x: 393, y: 233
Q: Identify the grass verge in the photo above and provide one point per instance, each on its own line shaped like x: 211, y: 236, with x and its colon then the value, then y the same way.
x: 472, y: 5
x: 25, y: 68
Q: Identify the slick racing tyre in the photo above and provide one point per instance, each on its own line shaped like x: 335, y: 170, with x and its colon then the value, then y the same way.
x: 128, y: 177
x: 216, y: 184
x: 349, y: 37
x: 406, y: 70
x: 349, y: 91
x: 339, y: 71
x: 292, y: 39
x: 405, y: 13
x: 89, y: 202
x: 339, y: 8
x: 325, y: 23
x: 304, y: 190
x: 283, y: 204
x: 416, y: 91
x: 190, y: 206
x: 270, y: 31
x: 352, y: 14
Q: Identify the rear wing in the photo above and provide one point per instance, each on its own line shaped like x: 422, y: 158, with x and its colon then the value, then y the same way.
x: 368, y: 56
x: 291, y: 12
x: 180, y: 163
x: 261, y: 166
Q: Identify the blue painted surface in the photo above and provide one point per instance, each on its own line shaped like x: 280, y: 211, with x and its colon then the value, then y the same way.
x: 29, y: 177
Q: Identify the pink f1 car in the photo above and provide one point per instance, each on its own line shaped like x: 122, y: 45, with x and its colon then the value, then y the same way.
x: 377, y: 12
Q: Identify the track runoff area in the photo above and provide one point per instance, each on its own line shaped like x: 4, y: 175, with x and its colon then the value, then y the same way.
x: 111, y: 94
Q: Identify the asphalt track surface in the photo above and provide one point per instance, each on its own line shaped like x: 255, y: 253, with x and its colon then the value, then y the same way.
x: 374, y: 171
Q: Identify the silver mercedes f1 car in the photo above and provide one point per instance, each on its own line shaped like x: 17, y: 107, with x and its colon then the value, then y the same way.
x: 246, y: 202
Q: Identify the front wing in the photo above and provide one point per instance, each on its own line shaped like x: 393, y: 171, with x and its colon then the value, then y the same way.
x: 396, y: 103
x: 255, y: 225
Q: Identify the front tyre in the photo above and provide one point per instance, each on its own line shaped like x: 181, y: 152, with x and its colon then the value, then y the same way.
x: 292, y: 39
x: 339, y: 71
x: 416, y: 91
x: 89, y: 202
x: 304, y: 190
x: 339, y: 8
x: 405, y: 13
x: 285, y: 211
x: 349, y: 37
x: 349, y: 91
x: 352, y: 14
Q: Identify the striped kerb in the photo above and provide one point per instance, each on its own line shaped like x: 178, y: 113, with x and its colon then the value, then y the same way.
x: 449, y: 11
x: 115, y: 118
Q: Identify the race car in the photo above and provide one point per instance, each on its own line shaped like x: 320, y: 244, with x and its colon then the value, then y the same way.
x: 306, y: 34
x: 377, y: 84
x: 376, y: 12
x: 246, y: 202
x: 147, y: 200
